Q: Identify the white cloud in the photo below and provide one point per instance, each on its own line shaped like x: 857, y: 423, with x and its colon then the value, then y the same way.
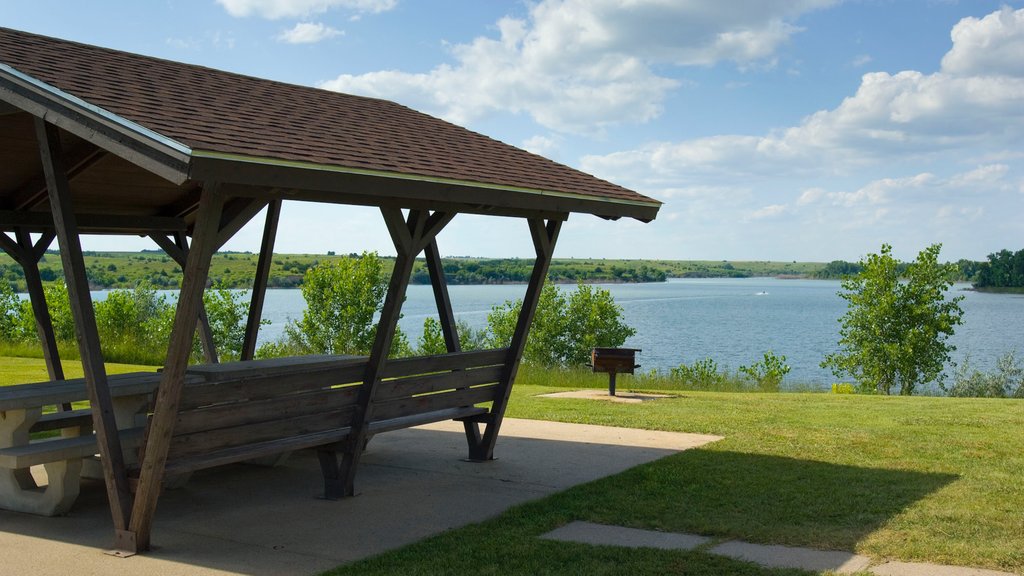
x: 276, y: 9
x: 861, y: 61
x: 769, y: 211
x: 308, y: 33
x: 992, y: 45
x: 582, y: 65
x: 891, y: 116
x: 542, y: 145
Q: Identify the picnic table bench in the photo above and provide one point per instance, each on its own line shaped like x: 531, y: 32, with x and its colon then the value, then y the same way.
x: 235, y: 412
x: 21, y: 415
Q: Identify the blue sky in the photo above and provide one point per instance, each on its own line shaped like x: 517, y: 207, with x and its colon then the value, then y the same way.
x: 771, y: 129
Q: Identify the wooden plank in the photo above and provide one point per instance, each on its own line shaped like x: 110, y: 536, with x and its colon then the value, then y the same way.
x: 262, y: 388
x: 259, y: 285
x: 380, y: 426
x: 399, y: 388
x: 65, y: 223
x: 168, y: 395
x: 431, y: 402
x: 253, y: 411
x: 212, y: 440
x: 275, y: 366
x: 401, y: 367
x: 255, y: 450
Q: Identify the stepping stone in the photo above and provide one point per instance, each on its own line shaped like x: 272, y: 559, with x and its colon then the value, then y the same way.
x: 789, y: 557
x: 923, y: 569
x: 604, y: 535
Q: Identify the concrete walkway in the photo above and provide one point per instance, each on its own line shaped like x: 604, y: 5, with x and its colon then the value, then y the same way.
x: 768, y: 556
x: 412, y: 484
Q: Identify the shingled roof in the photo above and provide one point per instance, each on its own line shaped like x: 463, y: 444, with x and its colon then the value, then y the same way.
x: 193, y: 123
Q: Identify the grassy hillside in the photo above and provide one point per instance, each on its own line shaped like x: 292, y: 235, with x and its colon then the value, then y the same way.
x: 236, y: 269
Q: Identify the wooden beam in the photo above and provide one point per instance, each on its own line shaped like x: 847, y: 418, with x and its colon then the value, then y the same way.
x: 165, y: 412
x: 32, y: 192
x: 434, y: 195
x: 408, y: 235
x: 10, y: 247
x: 236, y: 215
x: 544, y: 237
x: 442, y: 298
x: 178, y: 251
x: 102, y: 407
x: 92, y: 223
x: 37, y: 298
x: 259, y: 285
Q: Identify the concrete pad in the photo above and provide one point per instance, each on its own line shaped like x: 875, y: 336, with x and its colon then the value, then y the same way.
x: 788, y: 557
x: 412, y: 484
x: 622, y: 397
x: 604, y: 535
x: 924, y: 569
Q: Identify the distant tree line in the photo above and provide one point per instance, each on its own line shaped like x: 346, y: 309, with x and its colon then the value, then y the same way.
x: 1004, y: 269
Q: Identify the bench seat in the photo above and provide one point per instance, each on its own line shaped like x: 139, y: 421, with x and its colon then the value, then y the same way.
x: 54, y: 449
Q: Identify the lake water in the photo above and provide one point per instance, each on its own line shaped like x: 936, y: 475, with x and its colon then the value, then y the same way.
x: 732, y: 321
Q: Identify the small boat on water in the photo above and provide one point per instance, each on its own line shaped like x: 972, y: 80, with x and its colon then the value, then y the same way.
x: 762, y: 293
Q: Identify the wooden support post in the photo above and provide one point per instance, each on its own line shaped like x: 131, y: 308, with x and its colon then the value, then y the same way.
x: 118, y: 493
x: 165, y: 412
x: 441, y: 297
x: 178, y: 251
x: 37, y: 297
x: 259, y: 285
x: 28, y: 255
x: 410, y: 238
x: 544, y: 238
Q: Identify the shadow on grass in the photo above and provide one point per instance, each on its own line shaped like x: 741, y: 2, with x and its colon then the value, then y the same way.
x: 758, y: 498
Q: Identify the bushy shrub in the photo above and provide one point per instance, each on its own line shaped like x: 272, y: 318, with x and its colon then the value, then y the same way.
x: 767, y: 373
x: 1006, y: 381
x: 432, y: 339
x: 701, y: 375
x: 843, y: 388
x: 566, y: 326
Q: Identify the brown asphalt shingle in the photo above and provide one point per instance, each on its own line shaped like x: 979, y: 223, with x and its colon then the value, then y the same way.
x: 217, y: 111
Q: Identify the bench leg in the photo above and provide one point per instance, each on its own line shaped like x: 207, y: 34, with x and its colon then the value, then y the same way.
x: 18, y: 490
x: 478, y: 449
x: 334, y: 486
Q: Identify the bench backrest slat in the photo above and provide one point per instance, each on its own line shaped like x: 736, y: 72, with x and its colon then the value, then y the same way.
x: 214, y: 440
x: 431, y: 402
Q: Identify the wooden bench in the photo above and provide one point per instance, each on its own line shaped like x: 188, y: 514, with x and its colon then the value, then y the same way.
x: 263, y: 408
x: 21, y: 416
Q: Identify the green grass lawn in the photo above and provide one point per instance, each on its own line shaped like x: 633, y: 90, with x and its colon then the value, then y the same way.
x: 915, y: 479
x: 23, y: 370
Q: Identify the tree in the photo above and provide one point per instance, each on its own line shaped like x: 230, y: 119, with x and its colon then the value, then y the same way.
x: 565, y: 327
x: 894, y: 333
x: 342, y: 298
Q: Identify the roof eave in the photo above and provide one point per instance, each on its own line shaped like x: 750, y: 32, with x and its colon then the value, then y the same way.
x: 312, y: 180
x: 139, y: 145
